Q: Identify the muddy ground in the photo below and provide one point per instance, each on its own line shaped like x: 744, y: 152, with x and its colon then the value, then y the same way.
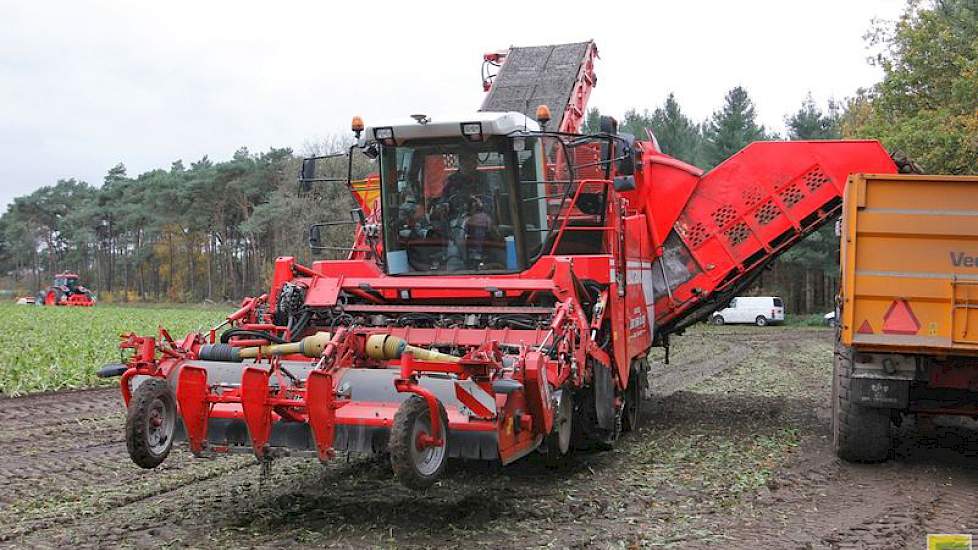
x: 733, y: 452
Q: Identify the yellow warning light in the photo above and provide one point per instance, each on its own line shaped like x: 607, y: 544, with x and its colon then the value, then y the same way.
x: 543, y: 114
x: 357, y: 125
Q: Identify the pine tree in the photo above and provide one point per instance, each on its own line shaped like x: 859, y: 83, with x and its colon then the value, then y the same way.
x: 810, y: 122
x: 678, y: 136
x: 731, y: 128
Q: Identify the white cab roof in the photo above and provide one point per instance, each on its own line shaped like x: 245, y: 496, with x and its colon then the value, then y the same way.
x: 497, y: 124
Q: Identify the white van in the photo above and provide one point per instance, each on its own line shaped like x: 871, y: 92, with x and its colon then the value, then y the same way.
x: 755, y: 310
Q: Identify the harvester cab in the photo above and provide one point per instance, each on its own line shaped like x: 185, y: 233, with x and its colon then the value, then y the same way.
x: 482, y: 194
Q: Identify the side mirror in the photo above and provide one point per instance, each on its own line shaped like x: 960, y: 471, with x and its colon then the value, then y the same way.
x: 307, y: 174
x: 626, y: 164
x: 607, y: 125
x: 624, y: 183
x: 315, y: 235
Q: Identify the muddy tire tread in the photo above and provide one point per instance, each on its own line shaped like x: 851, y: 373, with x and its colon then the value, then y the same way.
x: 136, y: 441
x: 860, y: 434
x: 400, y: 439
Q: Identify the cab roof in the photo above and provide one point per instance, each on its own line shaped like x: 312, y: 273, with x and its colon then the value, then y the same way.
x: 424, y: 126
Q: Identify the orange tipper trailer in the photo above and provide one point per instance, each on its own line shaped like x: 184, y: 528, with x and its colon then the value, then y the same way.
x: 908, y: 336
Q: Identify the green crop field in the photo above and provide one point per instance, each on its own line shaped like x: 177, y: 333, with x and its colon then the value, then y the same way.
x: 50, y: 348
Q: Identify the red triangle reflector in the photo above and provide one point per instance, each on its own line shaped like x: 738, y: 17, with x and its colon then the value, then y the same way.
x: 865, y: 328
x: 899, y: 319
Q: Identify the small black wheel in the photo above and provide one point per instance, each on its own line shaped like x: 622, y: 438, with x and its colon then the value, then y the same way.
x: 717, y: 320
x: 150, y: 423
x: 633, y: 401
x: 417, y: 468
x: 761, y: 321
x: 560, y: 438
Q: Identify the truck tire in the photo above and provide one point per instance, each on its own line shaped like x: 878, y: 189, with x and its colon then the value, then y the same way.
x: 716, y: 320
x: 859, y: 434
x: 761, y: 321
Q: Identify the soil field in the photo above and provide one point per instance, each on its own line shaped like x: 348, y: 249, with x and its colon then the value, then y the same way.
x: 733, y: 452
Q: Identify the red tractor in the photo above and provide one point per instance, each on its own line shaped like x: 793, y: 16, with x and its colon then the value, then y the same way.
x: 66, y: 291
x: 502, y: 293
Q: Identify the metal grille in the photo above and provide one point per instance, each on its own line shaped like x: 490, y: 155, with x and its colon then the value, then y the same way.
x: 724, y: 215
x: 694, y: 235
x: 751, y: 196
x: 738, y: 234
x: 815, y: 178
x: 767, y: 213
x: 791, y: 195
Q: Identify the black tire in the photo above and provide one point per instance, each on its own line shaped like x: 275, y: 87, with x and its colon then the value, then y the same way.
x: 761, y: 321
x: 416, y: 469
x: 560, y: 440
x: 717, y: 320
x: 632, y: 415
x: 859, y: 434
x: 150, y: 423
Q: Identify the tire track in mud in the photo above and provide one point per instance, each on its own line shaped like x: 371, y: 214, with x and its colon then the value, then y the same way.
x: 930, y: 485
x: 66, y: 479
x: 64, y: 458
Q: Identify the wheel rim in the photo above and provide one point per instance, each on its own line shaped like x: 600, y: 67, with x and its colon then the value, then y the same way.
x: 563, y: 421
x: 49, y: 299
x: 160, y: 422
x: 426, y: 460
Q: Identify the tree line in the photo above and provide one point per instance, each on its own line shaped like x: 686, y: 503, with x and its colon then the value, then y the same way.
x: 211, y: 231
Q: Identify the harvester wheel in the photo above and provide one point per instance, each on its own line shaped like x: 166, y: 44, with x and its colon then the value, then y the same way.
x: 560, y: 438
x: 859, y: 434
x: 150, y: 423
x: 633, y: 400
x: 417, y: 468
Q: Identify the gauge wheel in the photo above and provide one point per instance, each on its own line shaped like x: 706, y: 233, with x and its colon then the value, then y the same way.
x: 560, y: 437
x: 417, y: 468
x: 150, y: 423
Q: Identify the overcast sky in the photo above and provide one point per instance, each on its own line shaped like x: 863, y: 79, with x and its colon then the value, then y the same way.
x: 85, y: 85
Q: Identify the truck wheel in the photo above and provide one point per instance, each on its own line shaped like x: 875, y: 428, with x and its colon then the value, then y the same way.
x: 417, y: 468
x: 150, y: 423
x: 717, y: 320
x: 761, y: 321
x: 859, y: 434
